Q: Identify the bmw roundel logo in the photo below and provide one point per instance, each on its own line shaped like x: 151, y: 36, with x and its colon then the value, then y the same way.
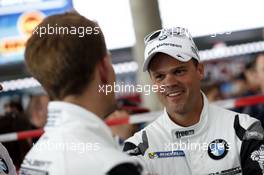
x: 218, y: 149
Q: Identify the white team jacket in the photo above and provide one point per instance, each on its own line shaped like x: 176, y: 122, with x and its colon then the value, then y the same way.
x: 75, y: 142
x: 222, y: 142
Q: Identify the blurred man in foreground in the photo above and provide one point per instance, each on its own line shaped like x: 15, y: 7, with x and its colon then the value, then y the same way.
x: 192, y: 136
x: 72, y: 68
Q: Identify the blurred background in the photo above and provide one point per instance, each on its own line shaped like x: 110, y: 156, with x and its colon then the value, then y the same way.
x: 228, y: 33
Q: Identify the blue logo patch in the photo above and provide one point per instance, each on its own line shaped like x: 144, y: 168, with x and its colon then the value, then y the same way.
x: 166, y: 154
x: 218, y: 149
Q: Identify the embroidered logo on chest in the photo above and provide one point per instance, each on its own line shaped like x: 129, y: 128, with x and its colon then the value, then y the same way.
x: 218, y: 149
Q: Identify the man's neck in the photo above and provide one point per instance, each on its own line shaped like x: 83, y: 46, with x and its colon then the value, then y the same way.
x: 185, y: 121
x: 90, y: 105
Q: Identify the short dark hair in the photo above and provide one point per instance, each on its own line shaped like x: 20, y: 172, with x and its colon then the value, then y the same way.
x: 64, y: 63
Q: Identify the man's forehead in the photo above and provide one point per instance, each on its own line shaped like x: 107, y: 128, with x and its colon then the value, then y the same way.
x: 163, y: 58
x: 166, y: 66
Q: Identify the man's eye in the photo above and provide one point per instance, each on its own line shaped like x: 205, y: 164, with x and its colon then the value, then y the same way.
x: 159, y: 77
x: 179, y: 72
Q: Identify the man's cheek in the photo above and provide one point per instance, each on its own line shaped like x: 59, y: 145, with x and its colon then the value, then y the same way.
x: 192, y: 84
x: 161, y: 89
x: 162, y: 97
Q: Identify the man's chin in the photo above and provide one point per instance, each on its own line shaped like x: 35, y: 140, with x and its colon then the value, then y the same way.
x: 176, y: 108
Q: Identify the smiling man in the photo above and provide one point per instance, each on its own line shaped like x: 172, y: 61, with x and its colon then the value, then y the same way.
x: 191, y: 136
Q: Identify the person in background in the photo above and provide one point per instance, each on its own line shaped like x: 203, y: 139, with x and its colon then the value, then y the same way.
x: 260, y: 71
x: 13, y: 107
x: 250, y: 74
x: 239, y: 86
x: 213, y: 93
x: 257, y: 111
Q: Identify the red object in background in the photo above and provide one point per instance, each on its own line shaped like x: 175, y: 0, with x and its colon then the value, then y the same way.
x: 117, y: 121
x: 135, y: 109
x: 248, y: 101
x: 33, y: 133
x: 137, y: 118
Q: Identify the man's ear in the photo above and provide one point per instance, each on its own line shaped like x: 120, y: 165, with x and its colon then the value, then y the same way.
x: 103, y: 70
x: 200, y: 69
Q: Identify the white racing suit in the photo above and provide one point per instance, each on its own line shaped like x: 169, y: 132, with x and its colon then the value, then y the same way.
x: 76, y: 142
x: 222, y: 142
x: 6, y: 164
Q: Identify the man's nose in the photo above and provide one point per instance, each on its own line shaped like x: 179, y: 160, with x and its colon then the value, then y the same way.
x: 170, y: 80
